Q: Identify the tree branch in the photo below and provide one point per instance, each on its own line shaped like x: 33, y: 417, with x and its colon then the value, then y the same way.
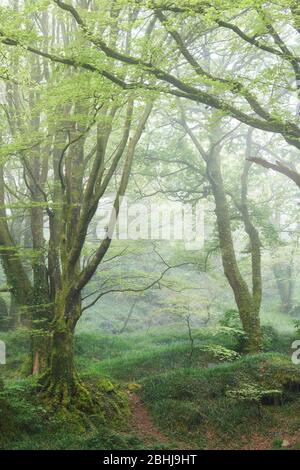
x: 279, y: 167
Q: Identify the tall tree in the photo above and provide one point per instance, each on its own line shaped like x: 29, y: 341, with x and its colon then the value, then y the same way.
x: 78, y: 144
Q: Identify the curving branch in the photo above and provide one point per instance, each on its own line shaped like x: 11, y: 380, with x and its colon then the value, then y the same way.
x: 279, y: 167
x: 132, y: 289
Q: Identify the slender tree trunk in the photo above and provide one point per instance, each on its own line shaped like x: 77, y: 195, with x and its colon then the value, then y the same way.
x: 284, y: 282
x: 248, y: 302
x: 248, y: 308
x: 41, y: 317
x: 14, y: 312
x: 40, y: 343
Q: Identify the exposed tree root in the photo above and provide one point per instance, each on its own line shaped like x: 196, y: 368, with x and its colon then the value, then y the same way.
x: 67, y: 394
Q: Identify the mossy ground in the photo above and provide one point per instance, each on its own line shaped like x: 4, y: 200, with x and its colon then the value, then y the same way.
x: 187, y: 398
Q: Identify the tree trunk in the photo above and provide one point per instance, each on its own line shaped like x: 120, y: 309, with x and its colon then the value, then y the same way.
x: 251, y: 326
x: 61, y: 383
x: 41, y: 317
x: 283, y: 276
x: 62, y: 368
x: 40, y: 348
x: 247, y: 305
x: 14, y: 312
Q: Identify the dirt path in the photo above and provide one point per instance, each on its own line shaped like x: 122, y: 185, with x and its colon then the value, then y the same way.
x: 142, y: 423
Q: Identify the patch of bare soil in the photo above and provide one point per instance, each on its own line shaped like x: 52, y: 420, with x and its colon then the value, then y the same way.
x: 142, y: 423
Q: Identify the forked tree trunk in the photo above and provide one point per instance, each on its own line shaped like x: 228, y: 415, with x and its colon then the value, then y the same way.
x: 248, y: 301
x: 248, y: 304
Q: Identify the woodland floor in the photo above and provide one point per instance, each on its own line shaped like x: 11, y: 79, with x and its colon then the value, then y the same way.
x: 174, y: 404
x: 141, y: 423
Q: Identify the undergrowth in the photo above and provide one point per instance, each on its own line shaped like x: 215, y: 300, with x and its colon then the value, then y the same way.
x: 201, y: 395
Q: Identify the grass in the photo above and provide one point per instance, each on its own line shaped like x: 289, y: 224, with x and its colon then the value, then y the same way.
x: 192, y: 401
x: 187, y: 398
x: 132, y: 357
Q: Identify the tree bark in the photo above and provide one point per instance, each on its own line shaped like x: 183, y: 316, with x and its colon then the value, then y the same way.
x: 63, y: 377
x: 60, y: 383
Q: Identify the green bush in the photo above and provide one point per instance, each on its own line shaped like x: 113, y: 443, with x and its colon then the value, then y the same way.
x: 220, y: 353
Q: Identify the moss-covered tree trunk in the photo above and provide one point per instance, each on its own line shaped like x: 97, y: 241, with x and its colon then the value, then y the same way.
x: 248, y: 304
x: 248, y: 300
x: 251, y: 323
x: 62, y: 377
x: 60, y: 383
